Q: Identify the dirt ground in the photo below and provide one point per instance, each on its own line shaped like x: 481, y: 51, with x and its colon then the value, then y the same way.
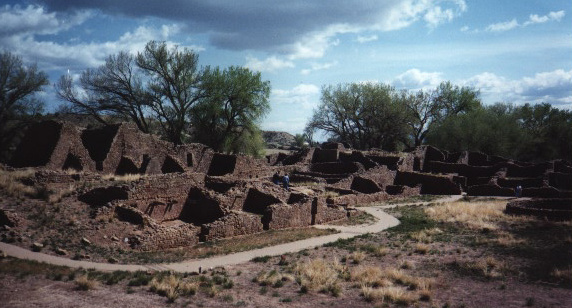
x: 515, y: 263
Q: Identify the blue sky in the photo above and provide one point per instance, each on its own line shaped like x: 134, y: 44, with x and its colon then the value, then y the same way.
x: 512, y: 51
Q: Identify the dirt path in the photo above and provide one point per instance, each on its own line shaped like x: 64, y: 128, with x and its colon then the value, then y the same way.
x: 383, y: 222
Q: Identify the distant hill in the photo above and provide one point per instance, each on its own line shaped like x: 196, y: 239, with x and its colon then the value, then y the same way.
x: 276, y: 140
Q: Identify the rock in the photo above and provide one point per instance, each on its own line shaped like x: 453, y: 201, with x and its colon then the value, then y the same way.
x: 37, y: 246
x: 61, y: 252
x: 85, y: 241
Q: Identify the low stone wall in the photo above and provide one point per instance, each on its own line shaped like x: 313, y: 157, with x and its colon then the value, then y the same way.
x: 355, y: 199
x: 553, y: 209
x: 233, y: 224
x: 430, y: 184
x: 182, y: 235
x: 490, y: 190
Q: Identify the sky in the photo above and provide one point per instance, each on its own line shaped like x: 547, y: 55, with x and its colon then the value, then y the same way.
x: 511, y: 51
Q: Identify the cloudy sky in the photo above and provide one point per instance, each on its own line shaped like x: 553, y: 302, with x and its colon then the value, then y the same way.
x: 513, y: 51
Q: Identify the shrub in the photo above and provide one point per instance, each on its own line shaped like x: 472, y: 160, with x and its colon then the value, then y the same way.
x: 84, y: 283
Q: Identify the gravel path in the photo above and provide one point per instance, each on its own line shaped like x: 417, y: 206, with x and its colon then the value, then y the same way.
x: 383, y: 222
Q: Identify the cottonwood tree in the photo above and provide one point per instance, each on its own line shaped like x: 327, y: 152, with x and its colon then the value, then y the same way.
x: 364, y: 115
x: 115, y: 88
x: 426, y: 109
x: 226, y: 117
x: 18, y: 84
x: 174, y: 86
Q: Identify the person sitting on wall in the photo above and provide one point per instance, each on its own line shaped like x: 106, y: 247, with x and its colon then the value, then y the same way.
x: 286, y: 181
x: 276, y: 178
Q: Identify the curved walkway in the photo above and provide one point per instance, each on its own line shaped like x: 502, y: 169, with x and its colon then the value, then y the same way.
x: 384, y: 221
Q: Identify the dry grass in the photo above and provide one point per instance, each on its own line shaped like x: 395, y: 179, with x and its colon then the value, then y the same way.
x: 320, y: 275
x: 562, y: 275
x: 380, y: 251
x: 123, y: 178
x: 357, y: 257
x: 272, y: 278
x: 330, y: 194
x: 474, y: 215
x: 398, y: 295
x: 487, y: 267
x: 84, y: 283
x: 426, y: 235
x: 390, y: 284
x: 12, y: 186
x: 172, y: 287
x: 421, y: 248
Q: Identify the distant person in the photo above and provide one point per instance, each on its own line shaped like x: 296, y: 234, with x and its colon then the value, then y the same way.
x: 286, y: 181
x: 518, y: 191
x: 276, y: 178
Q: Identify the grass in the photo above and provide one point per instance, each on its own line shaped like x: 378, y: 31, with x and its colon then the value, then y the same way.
x: 217, y: 247
x: 487, y: 267
x: 320, y: 275
x: 272, y: 278
x: 11, y: 185
x: 85, y: 283
x: 479, y: 215
x: 390, y: 284
x: 358, y: 219
x: 173, y: 286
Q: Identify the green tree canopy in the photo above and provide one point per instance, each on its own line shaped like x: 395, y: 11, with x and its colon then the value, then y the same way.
x: 174, y: 86
x: 226, y: 117
x: 364, y: 115
x: 528, y: 132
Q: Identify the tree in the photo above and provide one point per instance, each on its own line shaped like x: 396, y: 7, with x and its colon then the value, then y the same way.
x: 174, y: 86
x: 364, y: 115
x: 227, y: 115
x: 115, y: 88
x: 548, y: 132
x: 493, y: 130
x: 18, y: 84
x: 428, y: 109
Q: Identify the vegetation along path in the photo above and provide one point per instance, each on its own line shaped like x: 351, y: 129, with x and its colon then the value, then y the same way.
x: 384, y: 221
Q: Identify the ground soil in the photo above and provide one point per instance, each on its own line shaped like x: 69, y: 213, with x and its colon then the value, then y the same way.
x: 520, y: 283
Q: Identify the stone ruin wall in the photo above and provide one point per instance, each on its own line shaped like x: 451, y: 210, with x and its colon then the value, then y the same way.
x: 198, y: 194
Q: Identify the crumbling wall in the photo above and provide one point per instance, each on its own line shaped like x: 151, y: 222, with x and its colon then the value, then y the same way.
x: 201, y: 207
x: 257, y: 201
x: 354, y: 199
x: 552, y: 209
x: 337, y: 168
x: 166, y: 237
x: 54, y: 145
x: 491, y: 189
x: 233, y: 224
x: 163, y: 197
x: 325, y: 155
x: 430, y: 184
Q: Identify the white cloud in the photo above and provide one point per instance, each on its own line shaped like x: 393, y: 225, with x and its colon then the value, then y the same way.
x: 552, y: 16
x: 365, y: 39
x: 269, y: 64
x: 318, y: 67
x: 554, y: 87
x: 532, y: 19
x: 51, y: 55
x: 33, y: 19
x: 416, y: 79
x: 437, y: 15
x: 502, y: 26
x: 304, y: 96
